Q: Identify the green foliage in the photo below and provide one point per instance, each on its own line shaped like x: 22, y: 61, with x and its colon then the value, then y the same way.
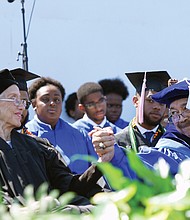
x: 156, y: 196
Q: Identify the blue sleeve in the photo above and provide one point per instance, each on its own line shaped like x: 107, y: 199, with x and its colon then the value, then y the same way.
x: 149, y: 158
x: 152, y: 157
x: 177, y: 156
x: 120, y: 161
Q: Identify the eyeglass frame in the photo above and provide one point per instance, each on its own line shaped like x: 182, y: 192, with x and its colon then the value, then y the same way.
x: 175, y: 115
x: 93, y: 105
x: 17, y: 102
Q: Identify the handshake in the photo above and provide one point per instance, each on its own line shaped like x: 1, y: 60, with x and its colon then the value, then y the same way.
x: 103, y: 141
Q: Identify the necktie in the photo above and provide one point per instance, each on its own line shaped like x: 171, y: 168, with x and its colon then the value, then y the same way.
x: 149, y: 135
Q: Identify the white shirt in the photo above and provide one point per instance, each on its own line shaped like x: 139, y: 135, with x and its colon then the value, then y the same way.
x: 87, y: 119
x: 143, y: 130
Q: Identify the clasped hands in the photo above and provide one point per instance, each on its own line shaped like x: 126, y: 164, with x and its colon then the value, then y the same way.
x: 103, y: 141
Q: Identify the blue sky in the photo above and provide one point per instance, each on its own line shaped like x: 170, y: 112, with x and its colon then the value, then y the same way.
x: 78, y: 41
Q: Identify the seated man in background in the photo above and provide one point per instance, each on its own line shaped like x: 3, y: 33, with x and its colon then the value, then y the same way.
x: 71, y: 107
x: 22, y: 76
x: 116, y: 92
x: 93, y: 103
x: 177, y: 137
x: 47, y: 96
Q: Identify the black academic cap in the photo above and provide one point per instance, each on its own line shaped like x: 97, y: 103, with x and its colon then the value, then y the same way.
x: 6, y: 80
x: 155, y: 80
x: 22, y: 76
x: 172, y: 93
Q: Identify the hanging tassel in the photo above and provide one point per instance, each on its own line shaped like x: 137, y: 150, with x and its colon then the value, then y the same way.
x: 188, y: 101
x: 142, y: 98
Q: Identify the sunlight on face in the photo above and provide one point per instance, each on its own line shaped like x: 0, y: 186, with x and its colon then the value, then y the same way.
x: 181, y: 116
x: 95, y: 107
x: 10, y: 114
x: 153, y: 111
x: 48, y: 104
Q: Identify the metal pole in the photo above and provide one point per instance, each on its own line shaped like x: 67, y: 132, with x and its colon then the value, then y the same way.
x: 24, y: 44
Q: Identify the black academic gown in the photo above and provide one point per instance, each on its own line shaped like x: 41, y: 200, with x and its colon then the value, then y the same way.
x: 125, y: 138
x: 31, y: 161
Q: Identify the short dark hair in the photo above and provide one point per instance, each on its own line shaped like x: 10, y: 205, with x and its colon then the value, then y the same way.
x: 70, y: 103
x: 87, y: 89
x: 44, y: 81
x: 116, y: 86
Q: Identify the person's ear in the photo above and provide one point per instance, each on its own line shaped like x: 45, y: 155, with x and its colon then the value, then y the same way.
x: 135, y: 101
x: 81, y: 107
x: 33, y: 102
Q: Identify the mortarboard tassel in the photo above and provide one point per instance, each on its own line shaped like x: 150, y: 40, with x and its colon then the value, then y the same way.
x: 142, y: 98
x: 188, y: 101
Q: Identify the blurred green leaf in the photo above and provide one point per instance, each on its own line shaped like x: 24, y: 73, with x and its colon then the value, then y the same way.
x: 150, y: 177
x: 154, y: 196
x: 114, y: 176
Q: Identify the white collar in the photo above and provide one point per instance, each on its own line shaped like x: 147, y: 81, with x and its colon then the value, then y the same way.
x: 38, y: 120
x: 143, y: 130
x: 87, y: 119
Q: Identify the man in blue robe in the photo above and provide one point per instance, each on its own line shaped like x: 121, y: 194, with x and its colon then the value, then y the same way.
x: 177, y: 137
x: 93, y: 103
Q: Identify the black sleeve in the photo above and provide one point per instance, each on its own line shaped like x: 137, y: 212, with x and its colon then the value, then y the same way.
x: 85, y: 184
x: 61, y: 178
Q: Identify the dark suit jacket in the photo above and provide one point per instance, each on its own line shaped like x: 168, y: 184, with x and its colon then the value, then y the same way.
x: 123, y: 138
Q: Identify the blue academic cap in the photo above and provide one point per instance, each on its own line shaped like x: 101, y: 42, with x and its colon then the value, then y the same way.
x: 172, y: 93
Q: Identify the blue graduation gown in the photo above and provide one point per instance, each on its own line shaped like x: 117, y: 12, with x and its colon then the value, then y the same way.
x: 68, y: 138
x: 175, y: 143
x: 120, y: 123
x: 82, y: 124
x: 149, y: 158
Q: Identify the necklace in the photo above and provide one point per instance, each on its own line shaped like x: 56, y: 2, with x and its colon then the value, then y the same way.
x: 132, y: 127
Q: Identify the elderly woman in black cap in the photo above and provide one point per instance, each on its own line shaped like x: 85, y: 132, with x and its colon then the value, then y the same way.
x: 24, y: 160
x: 22, y: 76
x: 10, y: 104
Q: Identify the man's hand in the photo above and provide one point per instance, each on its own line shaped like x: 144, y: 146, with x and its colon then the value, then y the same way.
x: 103, y: 141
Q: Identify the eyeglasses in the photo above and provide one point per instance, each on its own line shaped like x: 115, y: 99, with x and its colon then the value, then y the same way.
x: 94, y: 104
x: 17, y: 102
x: 175, y: 115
